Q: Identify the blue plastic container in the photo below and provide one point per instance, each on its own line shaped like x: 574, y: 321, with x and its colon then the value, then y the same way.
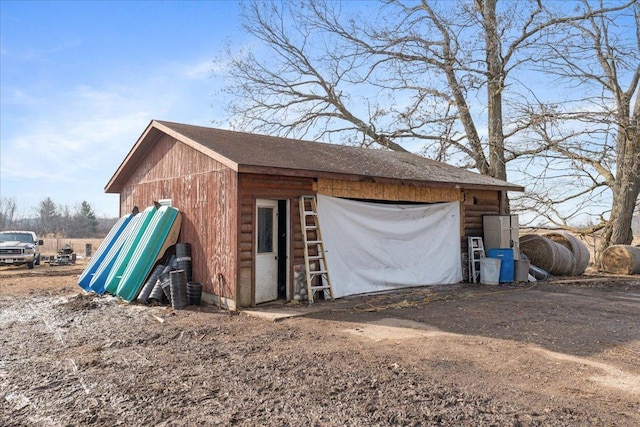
x: 507, y: 269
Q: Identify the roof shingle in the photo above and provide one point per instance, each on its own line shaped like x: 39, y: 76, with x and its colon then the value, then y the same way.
x: 247, y: 150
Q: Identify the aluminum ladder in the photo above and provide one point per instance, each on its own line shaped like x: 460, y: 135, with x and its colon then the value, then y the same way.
x: 315, y: 262
x: 476, y: 252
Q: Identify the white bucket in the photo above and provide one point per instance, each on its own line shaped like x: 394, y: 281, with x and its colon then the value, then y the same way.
x: 489, y: 271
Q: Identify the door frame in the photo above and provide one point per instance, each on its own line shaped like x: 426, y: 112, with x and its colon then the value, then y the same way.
x: 287, y: 244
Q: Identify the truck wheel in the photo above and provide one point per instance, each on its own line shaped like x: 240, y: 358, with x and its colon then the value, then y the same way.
x: 38, y: 260
x: 30, y: 265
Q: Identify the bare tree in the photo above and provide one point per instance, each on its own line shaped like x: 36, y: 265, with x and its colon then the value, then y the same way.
x: 434, y: 72
x: 453, y: 80
x: 65, y: 221
x: 7, y: 212
x: 593, y: 138
x: 53, y: 219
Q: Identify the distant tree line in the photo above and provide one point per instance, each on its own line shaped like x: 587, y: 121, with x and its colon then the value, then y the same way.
x: 51, y: 219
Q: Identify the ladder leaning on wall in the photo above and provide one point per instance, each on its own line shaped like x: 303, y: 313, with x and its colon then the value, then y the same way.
x: 315, y: 262
x: 476, y: 252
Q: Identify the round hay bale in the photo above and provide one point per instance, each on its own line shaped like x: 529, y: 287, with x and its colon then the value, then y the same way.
x: 576, y: 246
x: 527, y: 237
x: 621, y: 259
x: 538, y: 250
x: 547, y: 254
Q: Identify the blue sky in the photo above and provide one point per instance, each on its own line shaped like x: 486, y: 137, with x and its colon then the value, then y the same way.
x: 80, y: 81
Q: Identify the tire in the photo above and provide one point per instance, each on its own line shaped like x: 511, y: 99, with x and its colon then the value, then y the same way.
x: 30, y: 265
x: 37, y: 262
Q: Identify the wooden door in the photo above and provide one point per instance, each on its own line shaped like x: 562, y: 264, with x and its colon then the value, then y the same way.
x: 266, y: 250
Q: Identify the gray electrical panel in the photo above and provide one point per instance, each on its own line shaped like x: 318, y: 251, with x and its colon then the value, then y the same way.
x: 501, y: 232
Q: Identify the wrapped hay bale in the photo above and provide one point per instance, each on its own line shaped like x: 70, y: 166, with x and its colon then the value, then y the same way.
x: 621, y: 259
x: 547, y: 254
x: 576, y: 246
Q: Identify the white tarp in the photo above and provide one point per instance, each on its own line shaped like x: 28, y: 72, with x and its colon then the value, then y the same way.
x: 373, y: 247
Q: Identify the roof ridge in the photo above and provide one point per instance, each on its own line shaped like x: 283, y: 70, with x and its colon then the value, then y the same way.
x: 246, y: 152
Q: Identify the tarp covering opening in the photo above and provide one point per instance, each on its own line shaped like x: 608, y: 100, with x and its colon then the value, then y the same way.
x: 373, y: 247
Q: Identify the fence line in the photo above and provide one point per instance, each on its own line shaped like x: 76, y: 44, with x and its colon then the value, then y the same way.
x: 53, y: 244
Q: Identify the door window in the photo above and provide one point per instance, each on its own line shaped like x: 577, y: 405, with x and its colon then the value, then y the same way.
x: 265, y: 230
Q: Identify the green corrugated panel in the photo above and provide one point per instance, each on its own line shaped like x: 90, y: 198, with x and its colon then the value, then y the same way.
x: 96, y: 259
x: 129, y: 247
x: 148, y: 251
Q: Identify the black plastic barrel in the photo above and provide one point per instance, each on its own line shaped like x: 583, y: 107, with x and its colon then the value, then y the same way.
x: 183, y: 259
x: 171, y: 262
x: 194, y: 293
x: 143, y: 297
x: 156, y: 295
x: 178, y: 289
x: 165, y: 282
x: 183, y: 250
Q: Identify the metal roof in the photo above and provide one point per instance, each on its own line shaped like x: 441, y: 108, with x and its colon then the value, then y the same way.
x: 253, y: 153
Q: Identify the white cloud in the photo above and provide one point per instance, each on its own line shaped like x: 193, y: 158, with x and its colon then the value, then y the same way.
x: 19, y: 97
x: 38, y: 55
x: 200, y: 70
x: 80, y: 135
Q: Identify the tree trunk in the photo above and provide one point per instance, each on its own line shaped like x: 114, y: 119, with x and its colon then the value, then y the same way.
x: 495, y: 70
x: 625, y: 195
x: 495, y: 78
x: 627, y: 186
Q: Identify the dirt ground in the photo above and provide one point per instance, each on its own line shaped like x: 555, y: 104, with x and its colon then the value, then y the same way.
x: 558, y: 353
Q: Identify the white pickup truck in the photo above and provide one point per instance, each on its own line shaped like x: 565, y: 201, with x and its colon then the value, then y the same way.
x: 19, y: 247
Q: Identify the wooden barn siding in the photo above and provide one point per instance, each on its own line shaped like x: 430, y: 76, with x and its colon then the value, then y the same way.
x: 397, y: 192
x: 257, y: 186
x: 476, y: 204
x: 205, y: 192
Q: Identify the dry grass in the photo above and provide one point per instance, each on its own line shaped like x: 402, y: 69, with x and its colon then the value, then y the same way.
x: 52, y: 245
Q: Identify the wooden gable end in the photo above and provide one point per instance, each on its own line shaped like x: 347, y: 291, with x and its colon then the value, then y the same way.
x: 205, y: 192
x: 170, y: 158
